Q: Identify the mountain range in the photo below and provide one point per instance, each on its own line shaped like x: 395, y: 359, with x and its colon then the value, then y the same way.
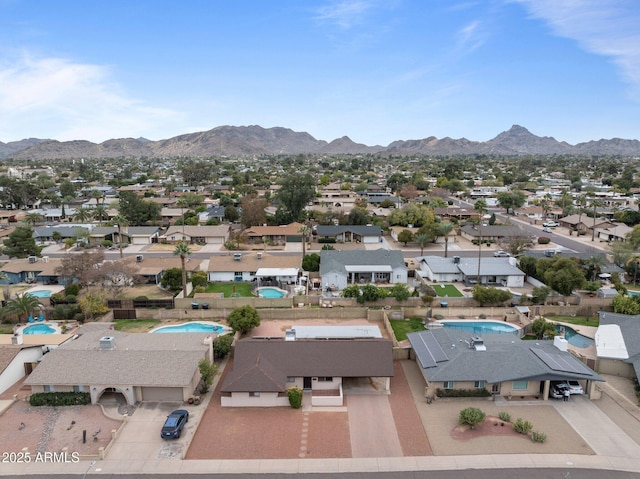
x: 237, y: 141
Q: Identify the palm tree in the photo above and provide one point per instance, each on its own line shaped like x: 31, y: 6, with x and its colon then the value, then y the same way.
x: 32, y: 219
x: 182, y: 203
x: 121, y: 222
x: 481, y: 208
x: 444, y: 230
x: 594, y: 203
x: 23, y: 306
x: 422, y: 239
x: 304, y: 231
x: 182, y: 249
x: 100, y: 212
x: 83, y: 214
x: 597, y: 261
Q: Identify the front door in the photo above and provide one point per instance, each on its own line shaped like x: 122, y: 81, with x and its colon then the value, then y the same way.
x: 306, y: 383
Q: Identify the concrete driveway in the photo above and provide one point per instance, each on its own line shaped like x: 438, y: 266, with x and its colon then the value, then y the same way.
x: 140, y: 438
x: 371, y: 426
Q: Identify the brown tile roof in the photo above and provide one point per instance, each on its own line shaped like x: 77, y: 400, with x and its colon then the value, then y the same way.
x: 284, y: 230
x: 266, y: 361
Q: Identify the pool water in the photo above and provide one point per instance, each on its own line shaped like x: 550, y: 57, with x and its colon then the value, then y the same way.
x: 41, y: 293
x: 38, y: 329
x: 574, y: 338
x: 270, y: 293
x: 191, y: 328
x: 481, y: 327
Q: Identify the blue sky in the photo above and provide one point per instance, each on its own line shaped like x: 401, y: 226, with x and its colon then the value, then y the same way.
x: 374, y: 70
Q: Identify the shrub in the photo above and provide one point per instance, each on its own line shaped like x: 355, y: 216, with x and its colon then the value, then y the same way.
x: 504, y: 416
x: 522, y: 426
x: 544, y: 240
x: 438, y: 316
x: 107, y: 243
x: 295, y: 397
x: 461, y: 393
x: 471, y: 416
x: 199, y: 289
x: 461, y: 316
x: 482, y: 316
x: 427, y: 299
x: 60, y: 399
x: 222, y: 346
x: 72, y: 289
x: 538, y: 436
x: 326, y: 240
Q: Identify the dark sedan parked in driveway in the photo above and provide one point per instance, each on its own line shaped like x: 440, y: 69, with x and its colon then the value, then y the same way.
x: 174, y: 424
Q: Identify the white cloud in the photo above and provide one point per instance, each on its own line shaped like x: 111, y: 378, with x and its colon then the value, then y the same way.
x: 471, y: 36
x: 610, y: 28
x: 344, y: 13
x: 56, y: 98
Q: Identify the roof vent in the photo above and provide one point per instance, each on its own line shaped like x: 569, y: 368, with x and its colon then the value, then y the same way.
x: 107, y: 343
x: 259, y: 254
x: 456, y: 259
x: 33, y: 259
x: 139, y: 258
x: 237, y: 256
x: 45, y: 259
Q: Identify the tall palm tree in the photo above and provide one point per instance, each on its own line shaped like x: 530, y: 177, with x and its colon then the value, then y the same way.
x: 596, y: 261
x: 304, y: 231
x: 32, y: 219
x: 83, y: 214
x: 121, y: 222
x: 182, y: 203
x: 182, y: 249
x: 481, y: 208
x: 100, y: 212
x: 422, y: 239
x: 594, y: 203
x: 444, y: 230
x: 23, y: 306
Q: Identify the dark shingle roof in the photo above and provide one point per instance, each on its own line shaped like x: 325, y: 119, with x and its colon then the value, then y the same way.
x: 335, y: 260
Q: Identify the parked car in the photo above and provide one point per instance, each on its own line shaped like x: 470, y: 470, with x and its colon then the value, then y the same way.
x: 557, y: 391
x: 572, y: 385
x: 174, y: 424
x: 550, y: 224
x: 501, y: 254
x: 546, y: 229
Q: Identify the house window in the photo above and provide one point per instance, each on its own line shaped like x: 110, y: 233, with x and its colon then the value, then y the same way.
x: 495, y: 388
x: 48, y: 389
x: 520, y: 385
x: 478, y: 384
x: 447, y: 385
x: 78, y: 389
x: 238, y: 273
x: 325, y: 379
x: 291, y: 379
x: 254, y: 394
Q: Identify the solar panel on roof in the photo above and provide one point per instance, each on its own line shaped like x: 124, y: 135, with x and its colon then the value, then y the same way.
x: 559, y: 362
x: 428, y: 349
x: 434, y: 347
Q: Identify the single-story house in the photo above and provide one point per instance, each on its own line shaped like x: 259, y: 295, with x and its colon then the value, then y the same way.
x: 264, y: 369
x: 263, y: 268
x: 44, y: 234
x: 141, y: 234
x: 455, y: 212
x: 213, y: 212
x: 582, y: 223
x: 274, y: 235
x: 31, y: 270
x: 493, y: 271
x: 453, y: 359
x: 197, y: 234
x: 618, y: 344
x: 350, y: 233
x: 613, y: 232
x: 338, y: 269
x: 171, y: 215
x: 490, y: 232
x: 55, y: 215
x: 103, y: 233
x: 151, y: 268
x: 140, y: 367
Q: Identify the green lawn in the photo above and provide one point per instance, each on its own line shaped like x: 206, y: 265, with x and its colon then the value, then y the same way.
x: 447, y: 290
x: 136, y: 325
x: 240, y: 289
x: 577, y: 320
x: 6, y: 328
x: 403, y: 326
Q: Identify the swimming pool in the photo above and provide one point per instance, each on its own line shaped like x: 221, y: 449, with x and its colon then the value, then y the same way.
x: 270, y: 293
x: 40, y: 293
x: 574, y: 338
x: 192, y: 328
x: 481, y: 327
x: 38, y: 329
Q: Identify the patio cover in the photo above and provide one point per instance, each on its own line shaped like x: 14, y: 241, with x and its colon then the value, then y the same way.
x: 277, y: 272
x: 368, y: 268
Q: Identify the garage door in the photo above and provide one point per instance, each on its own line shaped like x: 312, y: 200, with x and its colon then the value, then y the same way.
x: 161, y: 394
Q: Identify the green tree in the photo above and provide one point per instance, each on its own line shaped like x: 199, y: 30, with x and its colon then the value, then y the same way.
x: 93, y: 304
x: 539, y: 294
x: 243, y: 319
x: 421, y: 238
x: 405, y: 236
x: 33, y: 219
x: 528, y: 265
x: 208, y: 372
x: 353, y: 291
x: 561, y: 274
x: 171, y: 279
x: 182, y: 249
x: 296, y: 191
x: 137, y: 211
x: 83, y: 215
x: 511, y: 200
x: 625, y: 305
x: 471, y: 416
x: 20, y: 243
x: 490, y: 295
x: 311, y: 262
x: 199, y: 278
x: 543, y: 328
x: 22, y: 306
x: 120, y: 221
x: 231, y: 214
x: 445, y: 230
x: 358, y: 216
x: 222, y: 346
x: 400, y: 292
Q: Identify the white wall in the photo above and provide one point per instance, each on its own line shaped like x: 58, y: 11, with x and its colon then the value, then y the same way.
x: 515, y: 281
x: 224, y: 276
x: 244, y: 400
x: 14, y: 372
